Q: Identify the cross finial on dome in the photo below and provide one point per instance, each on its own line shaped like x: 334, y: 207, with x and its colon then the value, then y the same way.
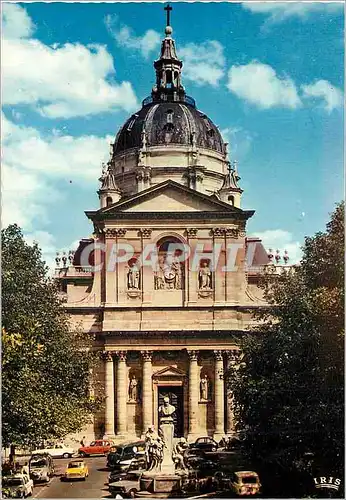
x: 168, y: 10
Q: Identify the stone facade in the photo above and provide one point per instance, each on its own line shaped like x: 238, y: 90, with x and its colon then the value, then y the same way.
x: 166, y: 327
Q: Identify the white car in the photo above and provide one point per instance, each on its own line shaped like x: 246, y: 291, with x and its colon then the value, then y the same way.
x: 18, y: 485
x: 58, y: 451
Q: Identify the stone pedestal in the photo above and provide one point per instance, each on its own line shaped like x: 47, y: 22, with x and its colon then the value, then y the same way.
x: 167, y: 429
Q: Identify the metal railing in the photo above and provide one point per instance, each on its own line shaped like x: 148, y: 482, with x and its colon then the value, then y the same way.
x: 170, y: 98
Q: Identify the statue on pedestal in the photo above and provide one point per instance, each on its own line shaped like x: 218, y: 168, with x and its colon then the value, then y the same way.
x: 204, y: 388
x: 133, y: 277
x: 204, y: 277
x: 133, y: 389
x: 167, y: 428
x: 154, y: 445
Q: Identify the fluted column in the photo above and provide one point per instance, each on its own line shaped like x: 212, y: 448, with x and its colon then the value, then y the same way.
x: 147, y: 391
x: 219, y: 396
x: 121, y: 392
x: 109, y: 393
x: 193, y: 395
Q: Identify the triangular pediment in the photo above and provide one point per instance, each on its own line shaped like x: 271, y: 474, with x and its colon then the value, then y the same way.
x: 169, y: 196
x: 169, y: 371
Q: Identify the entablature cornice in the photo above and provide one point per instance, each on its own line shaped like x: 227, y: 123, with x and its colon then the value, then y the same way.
x: 192, y: 216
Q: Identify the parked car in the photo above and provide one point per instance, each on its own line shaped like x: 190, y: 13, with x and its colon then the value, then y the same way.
x: 17, y: 486
x: 122, y: 456
x: 127, y: 487
x: 205, y: 444
x: 57, y: 451
x: 136, y: 465
x: 222, y: 480
x: 99, y: 447
x: 76, y: 470
x: 41, y: 467
x: 245, y: 483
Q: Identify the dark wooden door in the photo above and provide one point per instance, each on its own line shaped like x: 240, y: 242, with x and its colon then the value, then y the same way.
x: 176, y: 399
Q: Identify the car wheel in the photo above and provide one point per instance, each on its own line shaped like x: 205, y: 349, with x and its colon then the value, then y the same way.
x: 132, y: 493
x: 82, y: 454
x: 66, y: 455
x: 213, y: 448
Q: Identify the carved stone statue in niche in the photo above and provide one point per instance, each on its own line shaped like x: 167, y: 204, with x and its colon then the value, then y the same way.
x: 133, y: 276
x: 168, y: 274
x: 204, y: 276
x: 205, y: 385
x: 133, y: 389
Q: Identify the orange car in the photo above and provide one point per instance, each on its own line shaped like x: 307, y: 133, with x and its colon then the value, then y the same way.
x: 99, y: 447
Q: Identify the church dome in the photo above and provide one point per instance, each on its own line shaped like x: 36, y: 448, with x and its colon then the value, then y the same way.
x: 167, y: 123
x: 168, y: 139
x: 168, y: 116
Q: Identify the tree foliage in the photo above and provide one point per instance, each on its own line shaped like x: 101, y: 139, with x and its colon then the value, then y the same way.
x: 289, y: 390
x: 45, y: 365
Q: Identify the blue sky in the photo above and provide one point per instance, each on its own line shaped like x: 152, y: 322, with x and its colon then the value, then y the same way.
x: 270, y: 75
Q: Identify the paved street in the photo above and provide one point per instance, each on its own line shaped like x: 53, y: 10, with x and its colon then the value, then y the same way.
x: 93, y: 487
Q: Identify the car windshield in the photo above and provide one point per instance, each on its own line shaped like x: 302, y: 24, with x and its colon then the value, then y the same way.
x: 74, y: 465
x: 249, y: 479
x: 117, y: 450
x: 13, y: 481
x: 38, y: 463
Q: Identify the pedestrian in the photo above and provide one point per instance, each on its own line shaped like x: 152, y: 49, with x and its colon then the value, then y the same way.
x: 82, y: 443
x: 25, y: 469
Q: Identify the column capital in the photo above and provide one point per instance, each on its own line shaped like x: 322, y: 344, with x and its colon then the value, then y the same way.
x: 115, y: 232
x: 218, y: 355
x: 191, y: 232
x: 145, y: 232
x: 147, y: 355
x: 121, y: 355
x: 193, y: 355
x: 107, y: 355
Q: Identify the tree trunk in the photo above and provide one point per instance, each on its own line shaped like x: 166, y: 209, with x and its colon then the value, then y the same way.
x: 11, y: 457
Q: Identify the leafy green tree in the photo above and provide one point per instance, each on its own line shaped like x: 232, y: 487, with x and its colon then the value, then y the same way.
x: 45, y: 363
x: 289, y: 390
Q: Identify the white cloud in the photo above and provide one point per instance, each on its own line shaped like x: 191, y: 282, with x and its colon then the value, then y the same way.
x: 322, y: 90
x: 203, y: 63
x: 279, y: 239
x: 239, y: 140
x: 125, y: 37
x: 280, y: 11
x: 70, y: 79
x: 260, y: 85
x: 33, y: 162
x: 15, y: 22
